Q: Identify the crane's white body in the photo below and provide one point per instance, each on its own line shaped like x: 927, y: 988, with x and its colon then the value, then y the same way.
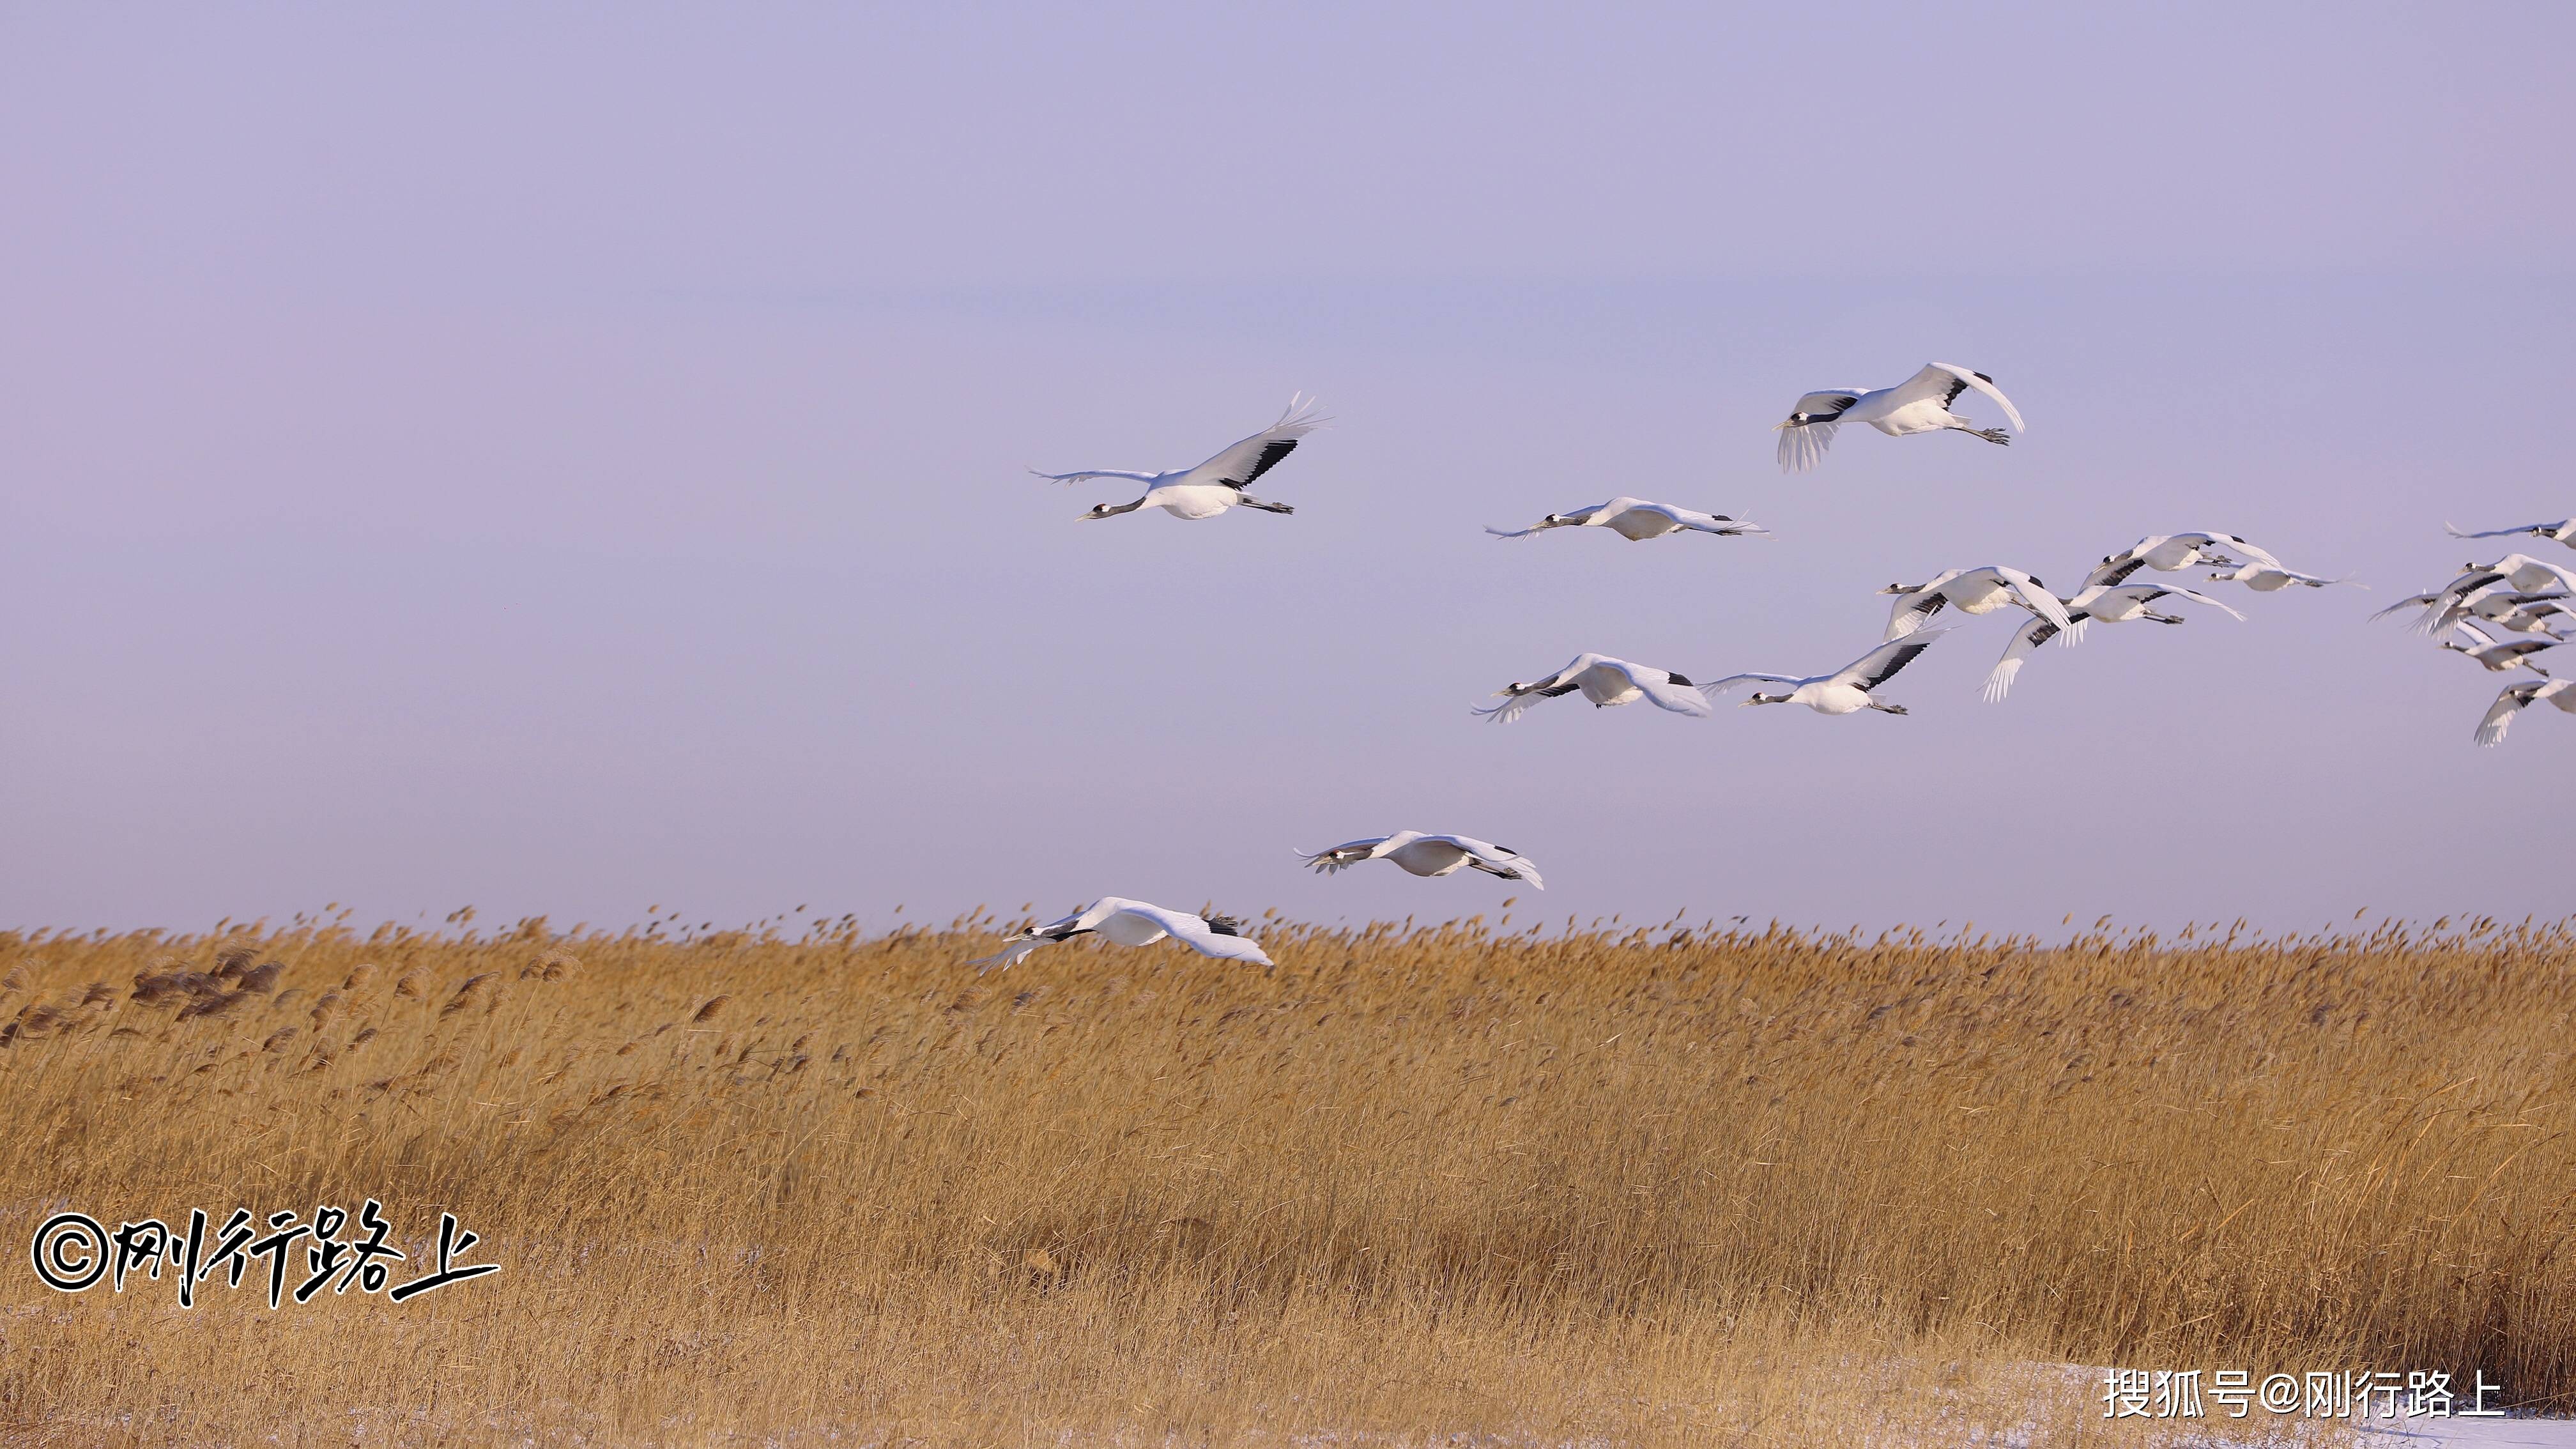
x: 2499, y: 655
x: 1847, y: 690
x: 1605, y: 681
x: 1428, y: 855
x: 1132, y: 923
x: 1970, y: 591
x: 1636, y: 520
x: 2515, y: 697
x: 1210, y: 488
x: 1920, y: 404
x: 2120, y: 603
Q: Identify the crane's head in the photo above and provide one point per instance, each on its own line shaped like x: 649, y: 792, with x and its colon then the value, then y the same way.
x: 1098, y: 510
x: 1758, y: 697
x: 1901, y: 589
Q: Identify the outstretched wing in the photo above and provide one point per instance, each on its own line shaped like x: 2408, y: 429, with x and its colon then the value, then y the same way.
x: 2455, y: 531
x: 1912, y: 611
x: 1566, y: 519
x: 1802, y: 445
x: 1716, y: 523
x: 1514, y: 706
x: 1495, y: 859
x: 2120, y: 565
x: 1239, y: 465
x: 1734, y: 682
x: 2288, y: 576
x: 2419, y: 601
x: 2035, y: 598
x: 2251, y: 551
x: 2529, y: 574
x: 2499, y: 715
x: 1692, y: 518
x: 1349, y: 853
x: 1128, y: 474
x: 2197, y: 597
x: 1010, y: 955
x: 1517, y: 702
x: 1944, y: 381
x: 1670, y: 691
x: 2479, y: 638
x: 2025, y: 643
x: 1882, y: 663
x: 1195, y: 933
x: 1810, y: 428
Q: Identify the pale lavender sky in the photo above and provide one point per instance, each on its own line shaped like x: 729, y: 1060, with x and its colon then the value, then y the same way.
x: 569, y: 459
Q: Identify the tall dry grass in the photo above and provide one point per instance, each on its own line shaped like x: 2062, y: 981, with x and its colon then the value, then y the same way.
x: 1625, y: 1186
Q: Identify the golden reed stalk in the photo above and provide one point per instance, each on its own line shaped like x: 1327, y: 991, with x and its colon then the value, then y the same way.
x: 1653, y: 1185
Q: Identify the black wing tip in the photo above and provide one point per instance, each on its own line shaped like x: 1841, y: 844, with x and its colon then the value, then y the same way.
x: 1271, y: 453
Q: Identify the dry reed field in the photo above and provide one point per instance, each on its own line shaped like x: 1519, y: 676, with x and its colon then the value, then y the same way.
x: 1453, y: 1185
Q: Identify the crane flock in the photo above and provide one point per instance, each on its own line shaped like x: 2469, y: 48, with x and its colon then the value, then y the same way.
x: 2518, y: 594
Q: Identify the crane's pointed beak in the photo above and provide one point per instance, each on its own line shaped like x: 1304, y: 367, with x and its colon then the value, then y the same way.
x: 1775, y: 427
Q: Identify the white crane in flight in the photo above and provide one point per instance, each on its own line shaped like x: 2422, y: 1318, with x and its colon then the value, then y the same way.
x: 1216, y: 485
x: 1920, y: 404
